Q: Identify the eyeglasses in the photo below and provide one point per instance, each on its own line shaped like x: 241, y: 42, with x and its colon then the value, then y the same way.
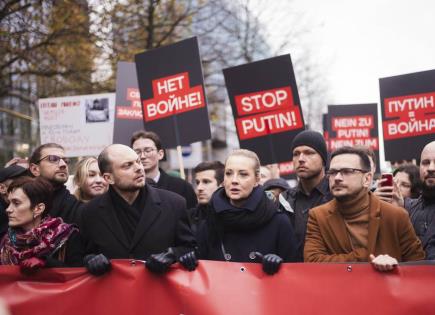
x: 345, y: 171
x: 54, y: 159
x: 146, y: 151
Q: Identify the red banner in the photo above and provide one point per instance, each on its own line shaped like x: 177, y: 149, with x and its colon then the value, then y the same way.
x: 222, y: 288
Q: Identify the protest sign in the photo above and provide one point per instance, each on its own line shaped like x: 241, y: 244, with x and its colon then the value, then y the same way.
x: 82, y: 124
x: 128, y: 114
x: 353, y: 125
x: 266, y: 107
x: 172, y: 93
x: 408, y: 114
x: 325, y: 127
x: 218, y: 287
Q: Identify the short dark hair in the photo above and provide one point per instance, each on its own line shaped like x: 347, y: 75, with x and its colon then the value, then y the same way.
x: 36, y: 155
x: 414, y: 177
x: 37, y: 189
x: 216, y: 166
x: 142, y: 134
x: 365, y: 162
x: 104, y: 162
x: 369, y: 152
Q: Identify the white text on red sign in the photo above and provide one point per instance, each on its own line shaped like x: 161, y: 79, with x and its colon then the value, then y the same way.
x: 173, y: 95
x: 415, y: 113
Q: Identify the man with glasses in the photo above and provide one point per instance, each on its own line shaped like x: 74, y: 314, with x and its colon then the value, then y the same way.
x: 356, y: 226
x: 49, y: 161
x: 148, y: 147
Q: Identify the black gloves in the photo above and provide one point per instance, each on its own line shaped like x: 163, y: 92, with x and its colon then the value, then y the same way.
x: 97, y: 265
x: 270, y: 262
x: 159, y: 263
x: 189, y: 261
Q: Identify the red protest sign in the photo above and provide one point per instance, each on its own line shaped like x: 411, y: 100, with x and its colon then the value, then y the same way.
x: 133, y: 111
x: 278, y: 113
x: 413, y: 115
x: 172, y: 95
x: 353, y: 130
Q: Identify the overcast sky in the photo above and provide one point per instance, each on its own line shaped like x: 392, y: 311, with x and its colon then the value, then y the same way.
x: 357, y: 42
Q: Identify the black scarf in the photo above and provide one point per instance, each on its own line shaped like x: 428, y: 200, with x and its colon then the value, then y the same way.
x: 128, y: 215
x: 257, y: 211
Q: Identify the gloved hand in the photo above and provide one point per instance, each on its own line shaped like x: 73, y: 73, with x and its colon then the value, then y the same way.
x: 189, y: 261
x: 159, y: 263
x: 270, y: 262
x: 97, y: 265
x: 30, y: 265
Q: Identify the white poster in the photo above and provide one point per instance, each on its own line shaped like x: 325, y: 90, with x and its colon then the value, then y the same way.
x: 82, y: 124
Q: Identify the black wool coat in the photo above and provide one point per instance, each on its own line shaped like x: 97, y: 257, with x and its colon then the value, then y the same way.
x: 163, y: 224
x: 179, y: 186
x: 274, y: 237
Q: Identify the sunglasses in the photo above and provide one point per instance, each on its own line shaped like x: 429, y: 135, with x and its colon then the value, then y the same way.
x: 54, y: 159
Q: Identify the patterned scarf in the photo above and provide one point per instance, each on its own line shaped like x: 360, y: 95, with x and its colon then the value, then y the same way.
x: 40, y: 242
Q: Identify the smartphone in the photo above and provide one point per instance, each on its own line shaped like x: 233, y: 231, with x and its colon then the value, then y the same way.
x: 388, y: 181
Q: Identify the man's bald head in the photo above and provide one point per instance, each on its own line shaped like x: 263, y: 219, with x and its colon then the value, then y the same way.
x: 427, y: 169
x: 109, y: 153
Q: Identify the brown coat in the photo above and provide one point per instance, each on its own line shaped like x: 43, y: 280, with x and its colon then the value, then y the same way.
x: 390, y: 232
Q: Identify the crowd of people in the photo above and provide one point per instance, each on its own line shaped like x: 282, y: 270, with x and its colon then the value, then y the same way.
x: 125, y: 206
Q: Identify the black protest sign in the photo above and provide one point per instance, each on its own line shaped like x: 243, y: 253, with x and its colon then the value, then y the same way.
x: 353, y: 125
x: 325, y: 129
x: 128, y: 110
x: 408, y: 114
x: 172, y: 93
x: 266, y: 107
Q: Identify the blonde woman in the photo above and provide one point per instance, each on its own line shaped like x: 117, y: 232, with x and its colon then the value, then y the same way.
x: 243, y: 224
x: 89, y: 180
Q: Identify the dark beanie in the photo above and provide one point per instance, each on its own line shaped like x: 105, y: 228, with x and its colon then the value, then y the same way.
x: 312, y: 139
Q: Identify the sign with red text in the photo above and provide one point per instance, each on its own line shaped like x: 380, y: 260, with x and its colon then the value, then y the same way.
x: 217, y: 287
x: 266, y: 107
x: 408, y: 114
x: 82, y: 124
x: 128, y: 110
x: 172, y: 93
x: 353, y: 125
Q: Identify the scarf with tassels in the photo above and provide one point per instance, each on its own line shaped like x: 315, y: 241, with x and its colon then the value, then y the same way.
x: 42, y: 241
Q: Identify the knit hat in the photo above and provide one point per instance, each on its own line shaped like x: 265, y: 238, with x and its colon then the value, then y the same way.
x: 11, y: 172
x: 276, y: 183
x: 311, y: 139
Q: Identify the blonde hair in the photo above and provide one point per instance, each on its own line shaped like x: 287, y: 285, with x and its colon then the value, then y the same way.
x: 81, y: 174
x: 248, y: 154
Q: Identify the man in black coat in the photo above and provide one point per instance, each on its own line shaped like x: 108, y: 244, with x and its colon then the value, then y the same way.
x: 134, y: 220
x: 148, y: 147
x: 49, y: 161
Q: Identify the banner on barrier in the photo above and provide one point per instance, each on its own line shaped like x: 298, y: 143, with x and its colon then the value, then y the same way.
x: 222, y: 288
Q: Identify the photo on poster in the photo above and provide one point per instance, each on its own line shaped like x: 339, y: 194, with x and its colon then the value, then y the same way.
x: 97, y: 110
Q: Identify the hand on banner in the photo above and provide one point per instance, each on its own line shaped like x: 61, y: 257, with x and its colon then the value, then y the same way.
x: 97, y: 265
x: 383, y: 262
x: 189, y: 261
x: 270, y: 262
x: 160, y: 263
x: 31, y: 265
x: 384, y: 193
